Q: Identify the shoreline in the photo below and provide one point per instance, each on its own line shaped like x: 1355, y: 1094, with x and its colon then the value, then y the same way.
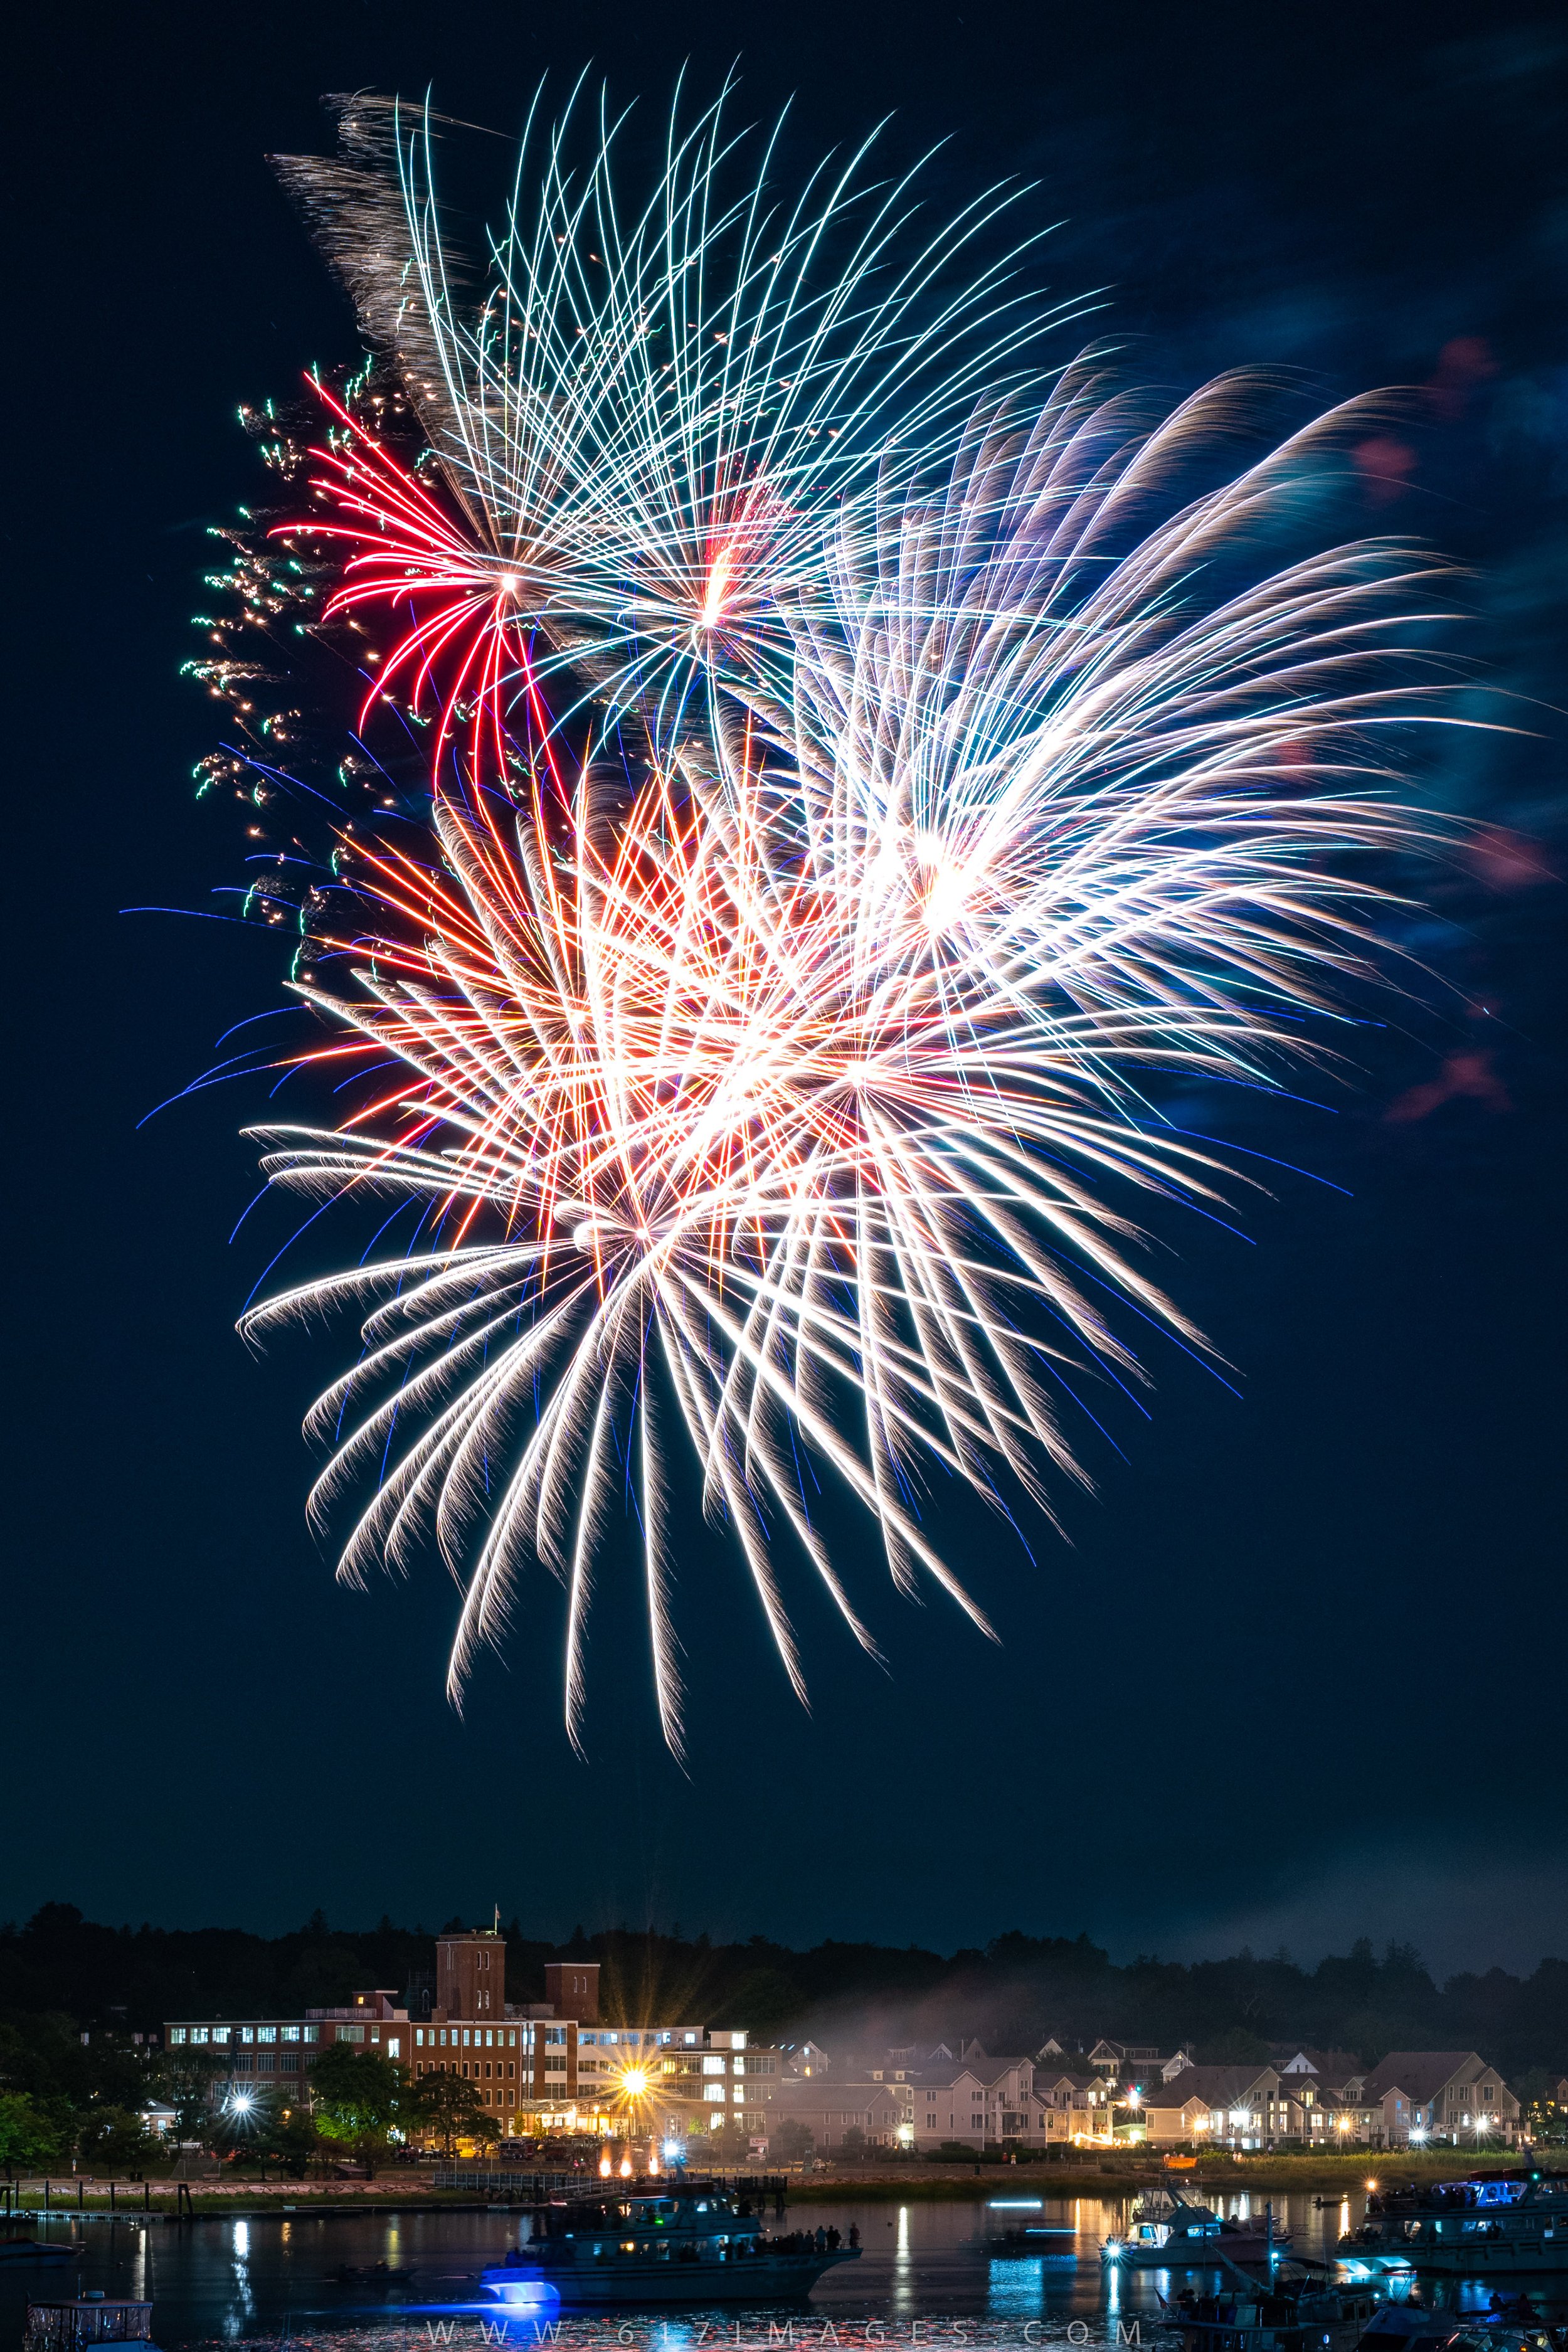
x: 1281, y: 2174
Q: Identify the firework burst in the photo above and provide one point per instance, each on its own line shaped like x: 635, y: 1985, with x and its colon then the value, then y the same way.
x: 795, y: 1106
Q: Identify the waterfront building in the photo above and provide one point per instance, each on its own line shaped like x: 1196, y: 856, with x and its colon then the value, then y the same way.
x: 1449, y: 2095
x: 1076, y: 2110
x: 1218, y: 2106
x: 536, y: 2067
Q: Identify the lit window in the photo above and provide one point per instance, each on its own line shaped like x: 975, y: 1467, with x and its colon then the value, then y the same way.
x: 265, y: 2033
x: 490, y: 2040
x: 177, y: 2034
x: 310, y: 2033
x: 350, y: 2033
x: 394, y: 2046
x: 290, y: 2032
x: 512, y: 2038
x: 220, y: 2033
x: 712, y: 2065
x: 247, y: 2033
x: 199, y: 2033
x: 587, y: 2041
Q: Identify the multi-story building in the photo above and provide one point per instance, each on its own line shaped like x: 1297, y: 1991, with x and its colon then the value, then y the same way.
x: 1216, y: 2107
x: 1439, y: 2095
x: 1325, y: 2098
x: 550, y: 2065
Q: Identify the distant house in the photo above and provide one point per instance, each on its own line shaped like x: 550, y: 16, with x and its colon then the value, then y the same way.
x: 1073, y: 2110
x: 1118, y: 2061
x: 1218, y: 2106
x: 1439, y: 2095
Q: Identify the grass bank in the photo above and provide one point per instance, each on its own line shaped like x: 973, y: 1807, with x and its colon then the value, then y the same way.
x: 1124, y: 2177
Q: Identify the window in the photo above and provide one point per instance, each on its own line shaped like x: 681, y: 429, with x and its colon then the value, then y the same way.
x: 712, y: 2065
x: 265, y: 2033
x: 350, y: 2033
x: 199, y: 2033
x: 176, y: 2035
x: 220, y: 2033
x: 587, y: 2041
x: 290, y: 2032
x: 512, y: 2038
x: 247, y: 2032
x: 243, y: 2064
x: 393, y: 2045
x: 290, y: 2061
x: 310, y: 2033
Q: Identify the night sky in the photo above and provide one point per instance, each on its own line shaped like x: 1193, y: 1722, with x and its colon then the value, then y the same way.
x: 1299, y: 1673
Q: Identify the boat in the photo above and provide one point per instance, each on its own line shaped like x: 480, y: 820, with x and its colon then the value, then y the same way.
x: 1490, y: 2222
x: 369, y: 2275
x: 38, y: 2251
x: 693, y: 2242
x: 1296, y: 2310
x: 1514, y: 2327
x: 81, y: 2321
x: 1052, y: 2241
x: 1167, y: 2232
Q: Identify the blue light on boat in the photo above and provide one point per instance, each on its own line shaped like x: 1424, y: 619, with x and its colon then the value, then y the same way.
x: 524, y: 2297
x: 1014, y: 2204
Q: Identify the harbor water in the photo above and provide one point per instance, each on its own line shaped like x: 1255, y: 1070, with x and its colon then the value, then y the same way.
x: 925, y: 2282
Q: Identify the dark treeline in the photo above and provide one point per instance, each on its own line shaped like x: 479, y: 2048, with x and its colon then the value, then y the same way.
x: 1011, y: 1995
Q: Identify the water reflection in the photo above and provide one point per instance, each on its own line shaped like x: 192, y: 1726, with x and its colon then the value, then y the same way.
x: 925, y: 2267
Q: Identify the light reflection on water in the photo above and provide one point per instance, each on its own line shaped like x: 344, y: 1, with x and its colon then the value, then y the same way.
x: 268, y: 2280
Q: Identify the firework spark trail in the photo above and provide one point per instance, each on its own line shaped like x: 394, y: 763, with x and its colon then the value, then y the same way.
x: 645, y: 425
x: 795, y: 1100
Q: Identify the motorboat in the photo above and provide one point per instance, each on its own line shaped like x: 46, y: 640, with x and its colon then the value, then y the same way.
x: 1295, y: 2311
x: 692, y: 2241
x: 1168, y: 2232
x: 1015, y: 2227
x: 1491, y: 2223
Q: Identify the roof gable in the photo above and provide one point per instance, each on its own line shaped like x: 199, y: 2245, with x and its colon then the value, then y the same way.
x: 1422, y: 2073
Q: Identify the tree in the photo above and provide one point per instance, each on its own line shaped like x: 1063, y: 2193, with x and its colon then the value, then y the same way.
x: 112, y: 2139
x: 30, y: 2137
x: 854, y: 2143
x: 450, y: 2109
x: 187, y: 2079
x: 355, y: 2095
x: 792, y: 2140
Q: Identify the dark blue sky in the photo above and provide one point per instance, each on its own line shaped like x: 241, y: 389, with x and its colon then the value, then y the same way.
x: 1298, y: 1673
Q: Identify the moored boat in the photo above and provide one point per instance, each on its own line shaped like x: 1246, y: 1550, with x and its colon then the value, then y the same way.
x: 1290, y: 2312
x: 1491, y: 2223
x: 1167, y: 2232
x: 685, y: 2243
